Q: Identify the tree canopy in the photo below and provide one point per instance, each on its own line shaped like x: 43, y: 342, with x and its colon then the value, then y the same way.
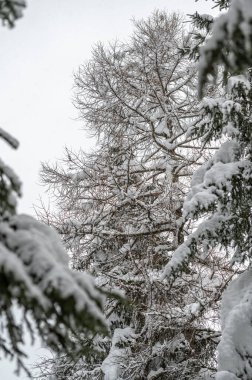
x: 118, y: 209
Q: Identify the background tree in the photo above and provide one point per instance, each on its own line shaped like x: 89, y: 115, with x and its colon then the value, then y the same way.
x: 119, y: 208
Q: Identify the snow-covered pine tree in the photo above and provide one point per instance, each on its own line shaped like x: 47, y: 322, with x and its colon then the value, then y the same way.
x: 119, y: 209
x: 39, y: 293
x: 221, y: 192
x: 60, y: 305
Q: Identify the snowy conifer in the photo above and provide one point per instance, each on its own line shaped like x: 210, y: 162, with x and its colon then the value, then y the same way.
x: 220, y: 196
x: 39, y: 292
x: 35, y: 279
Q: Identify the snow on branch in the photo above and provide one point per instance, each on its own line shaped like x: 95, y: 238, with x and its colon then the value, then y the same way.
x: 34, y: 272
x: 235, y: 350
x: 62, y: 305
x: 230, y: 44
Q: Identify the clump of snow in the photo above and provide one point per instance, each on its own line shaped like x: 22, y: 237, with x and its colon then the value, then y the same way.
x: 181, y: 255
x: 235, y: 348
x: 212, y: 176
x: 225, y: 375
x: 115, y: 361
x: 237, y: 80
x: 155, y: 374
x: 34, y: 262
x: 238, y: 17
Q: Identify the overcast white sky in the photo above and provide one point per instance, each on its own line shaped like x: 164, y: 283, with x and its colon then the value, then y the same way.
x: 37, y: 61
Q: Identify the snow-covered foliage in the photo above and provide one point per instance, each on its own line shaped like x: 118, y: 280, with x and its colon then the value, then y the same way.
x: 235, y: 348
x: 230, y: 43
x: 119, y: 209
x: 11, y: 10
x: 221, y: 196
x: 61, y: 305
x: 222, y: 186
x: 221, y: 190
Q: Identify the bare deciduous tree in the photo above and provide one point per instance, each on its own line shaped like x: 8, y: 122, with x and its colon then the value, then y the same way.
x: 119, y: 208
